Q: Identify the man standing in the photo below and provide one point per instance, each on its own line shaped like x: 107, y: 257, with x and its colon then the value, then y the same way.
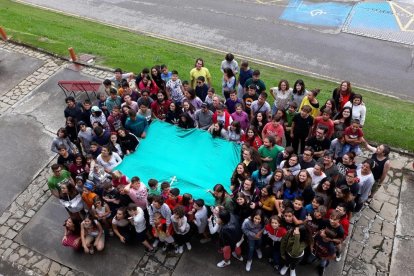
x: 204, y: 117
x: 59, y: 176
x: 138, y: 125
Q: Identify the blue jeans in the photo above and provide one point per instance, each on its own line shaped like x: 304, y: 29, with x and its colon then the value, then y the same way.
x: 253, y: 245
x: 348, y: 148
x: 276, y: 253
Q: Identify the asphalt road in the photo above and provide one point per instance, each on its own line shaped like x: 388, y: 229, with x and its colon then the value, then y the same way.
x: 250, y: 28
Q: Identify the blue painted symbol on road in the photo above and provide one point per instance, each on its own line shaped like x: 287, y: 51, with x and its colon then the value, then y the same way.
x: 321, y: 14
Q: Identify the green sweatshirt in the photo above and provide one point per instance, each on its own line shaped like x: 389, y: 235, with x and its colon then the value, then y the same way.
x: 292, y: 245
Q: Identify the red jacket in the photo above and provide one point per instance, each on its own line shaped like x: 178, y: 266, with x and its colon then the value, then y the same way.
x: 227, y: 117
x: 174, y: 202
x: 275, y: 235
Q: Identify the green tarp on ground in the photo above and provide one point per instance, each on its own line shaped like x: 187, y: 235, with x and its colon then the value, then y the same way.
x: 192, y: 157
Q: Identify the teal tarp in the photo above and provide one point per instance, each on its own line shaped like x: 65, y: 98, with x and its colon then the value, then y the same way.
x: 192, y: 157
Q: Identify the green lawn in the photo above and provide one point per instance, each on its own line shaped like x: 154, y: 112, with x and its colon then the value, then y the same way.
x: 388, y: 120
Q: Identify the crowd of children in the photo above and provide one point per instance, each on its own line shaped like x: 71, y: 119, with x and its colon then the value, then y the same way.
x: 289, y: 199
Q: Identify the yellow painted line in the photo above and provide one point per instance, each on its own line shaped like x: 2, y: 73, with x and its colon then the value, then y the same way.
x: 395, y: 15
x: 408, y: 24
x: 195, y: 45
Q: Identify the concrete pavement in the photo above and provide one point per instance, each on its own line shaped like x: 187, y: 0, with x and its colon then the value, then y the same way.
x: 31, y: 221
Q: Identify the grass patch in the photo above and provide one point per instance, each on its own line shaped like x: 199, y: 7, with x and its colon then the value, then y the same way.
x: 388, y: 120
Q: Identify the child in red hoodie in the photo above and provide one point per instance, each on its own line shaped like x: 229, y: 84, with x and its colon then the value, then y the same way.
x: 174, y: 198
x: 160, y: 232
x: 275, y: 232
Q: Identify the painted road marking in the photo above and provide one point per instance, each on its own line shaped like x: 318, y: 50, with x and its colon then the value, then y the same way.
x: 404, y: 16
x: 377, y: 16
x: 328, y: 14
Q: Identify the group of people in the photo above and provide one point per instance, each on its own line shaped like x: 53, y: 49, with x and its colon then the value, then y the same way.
x: 292, y: 194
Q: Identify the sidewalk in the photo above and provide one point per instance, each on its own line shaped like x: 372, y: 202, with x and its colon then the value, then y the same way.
x: 30, y: 222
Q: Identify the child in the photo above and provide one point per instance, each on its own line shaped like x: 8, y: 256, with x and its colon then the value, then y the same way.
x: 209, y: 98
x: 200, y: 220
x: 174, y: 198
x: 316, y: 221
x: 275, y: 232
x: 79, y: 183
x: 301, y: 126
x: 287, y: 218
x: 165, y: 190
x: 267, y: 201
x: 290, y: 188
x: 353, y: 138
x: 175, y: 89
x: 158, y: 206
x: 201, y: 88
x: 324, y: 120
x: 324, y: 248
x: 153, y: 187
x: 292, y: 248
x: 137, y: 218
x: 253, y: 228
x: 95, y: 149
x: 290, y: 113
x: 145, y: 111
x: 336, y: 227
x: 88, y: 195
x: 213, y: 225
x: 314, y: 205
x: 298, y: 211
x: 102, y: 213
x: 161, y: 232
x: 181, y: 229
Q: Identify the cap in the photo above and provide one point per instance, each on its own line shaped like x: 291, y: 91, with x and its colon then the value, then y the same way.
x: 203, y: 105
x: 79, y: 177
x: 88, y: 185
x: 95, y: 109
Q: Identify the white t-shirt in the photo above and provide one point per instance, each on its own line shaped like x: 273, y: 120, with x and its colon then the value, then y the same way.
x: 139, y: 221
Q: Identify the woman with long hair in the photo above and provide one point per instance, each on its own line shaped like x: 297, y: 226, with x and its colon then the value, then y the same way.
x: 259, y: 121
x: 299, y: 92
x: 342, y: 120
x: 239, y: 175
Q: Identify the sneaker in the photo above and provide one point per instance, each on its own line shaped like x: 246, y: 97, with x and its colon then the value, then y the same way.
x: 292, y: 272
x: 223, y: 263
x: 321, y: 270
x: 111, y: 233
x: 259, y: 253
x: 155, y: 243
x: 180, y: 249
x: 249, y: 265
x: 91, y: 251
x: 164, y: 247
x: 237, y: 257
x: 338, y: 257
x: 177, y: 251
x: 284, y: 270
x: 270, y: 261
x: 188, y: 246
x: 276, y: 267
x: 203, y: 241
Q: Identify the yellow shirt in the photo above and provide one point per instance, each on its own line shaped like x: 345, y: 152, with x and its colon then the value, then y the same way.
x: 194, y: 74
x: 314, y: 112
x: 268, y: 203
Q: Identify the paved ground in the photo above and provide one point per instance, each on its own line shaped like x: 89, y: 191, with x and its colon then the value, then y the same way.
x: 254, y: 28
x: 31, y: 221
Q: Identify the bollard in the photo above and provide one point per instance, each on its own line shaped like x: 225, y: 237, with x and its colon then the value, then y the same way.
x: 72, y: 54
x: 3, y: 34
